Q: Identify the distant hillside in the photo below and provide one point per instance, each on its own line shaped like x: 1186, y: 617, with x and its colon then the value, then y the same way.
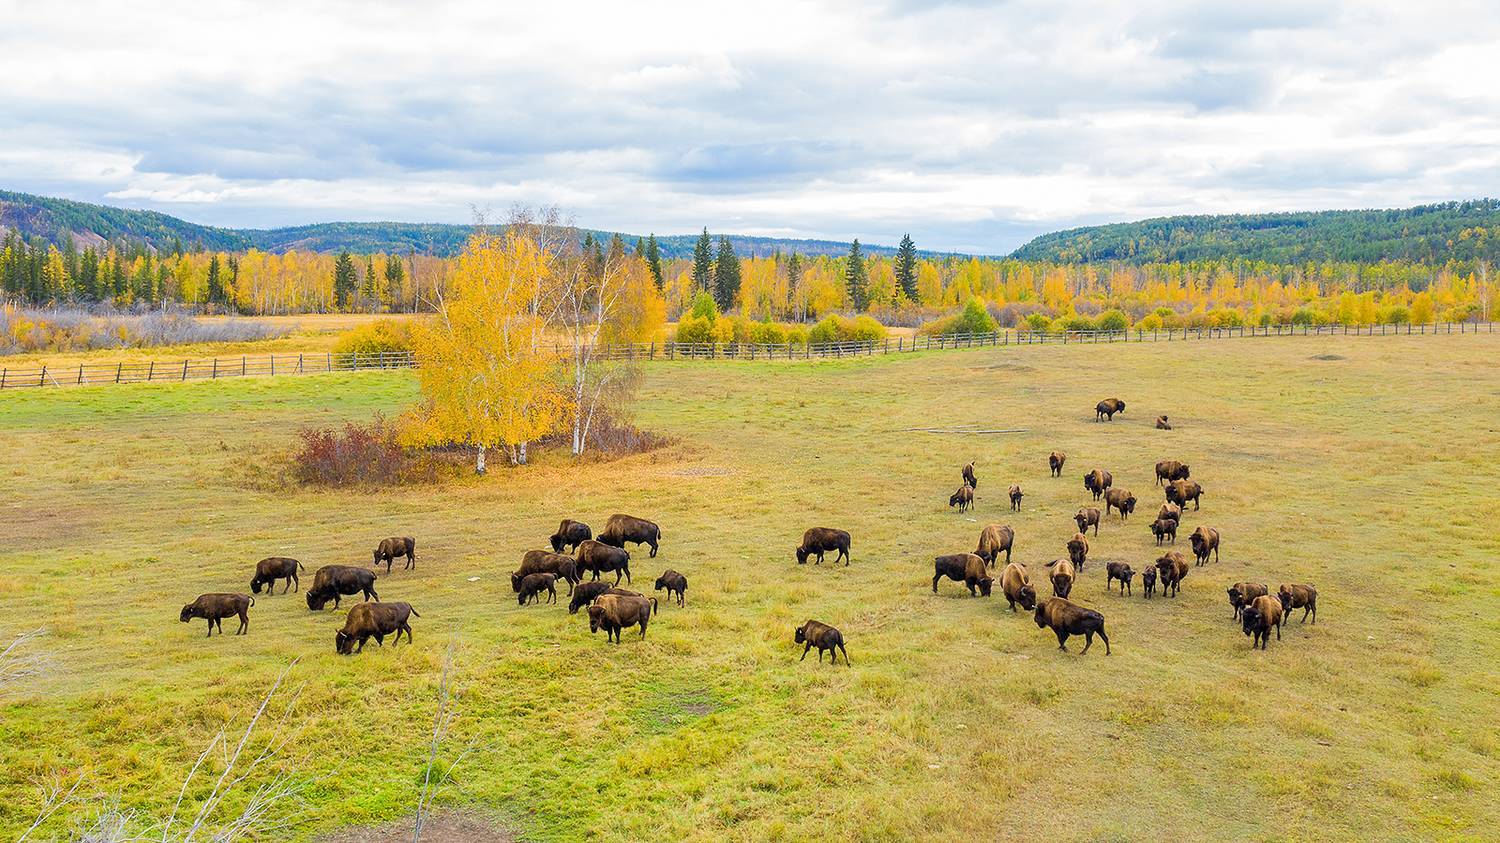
x: 1431, y: 234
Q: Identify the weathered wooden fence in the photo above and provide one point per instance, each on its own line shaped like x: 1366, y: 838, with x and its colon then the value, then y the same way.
x: 201, y: 369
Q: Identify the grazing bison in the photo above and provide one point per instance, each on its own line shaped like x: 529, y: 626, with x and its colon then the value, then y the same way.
x: 674, y: 583
x: 546, y: 562
x: 214, y: 608
x: 1118, y: 571
x: 599, y: 557
x: 585, y: 593
x: 273, y: 568
x: 615, y: 612
x: 1205, y: 540
x: 967, y: 568
x: 1107, y: 408
x: 1086, y: 516
x: 1172, y: 568
x: 1121, y: 500
x: 1169, y: 470
x: 968, y: 475
x: 963, y: 498
x: 820, y: 540
x: 389, y: 549
x: 1068, y: 618
x: 1161, y: 423
x: 1015, y: 584
x: 532, y: 586
x: 1303, y: 597
x: 331, y: 582
x: 1015, y: 497
x: 1078, y: 550
x: 1097, y: 481
x: 1055, y: 461
x: 1182, y: 491
x: 1258, y: 617
x: 1170, y: 510
x: 1241, y: 593
x: 1148, y: 582
x: 1163, y: 529
x: 824, y: 637
x: 1062, y: 576
x: 570, y: 534
x: 374, y: 620
x: 993, y: 539
x: 620, y: 529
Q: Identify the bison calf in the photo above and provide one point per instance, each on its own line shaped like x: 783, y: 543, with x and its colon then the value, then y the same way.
x: 1303, y: 597
x: 1015, y: 584
x: 373, y: 620
x: 389, y: 549
x: 1118, y: 571
x: 1241, y: 593
x: 820, y: 540
x: 532, y: 586
x: 273, y: 568
x: 1015, y: 497
x: 1148, y: 582
x: 1067, y: 618
x: 963, y: 498
x: 620, y: 529
x: 1086, y: 516
x: 824, y: 637
x: 1258, y: 617
x: 1055, y: 462
x: 1107, y: 408
x: 615, y: 612
x: 967, y: 568
x: 1062, y: 577
x: 214, y: 608
x: 674, y: 583
x: 1205, y: 540
x: 546, y: 562
x: 570, y: 534
x: 331, y: 582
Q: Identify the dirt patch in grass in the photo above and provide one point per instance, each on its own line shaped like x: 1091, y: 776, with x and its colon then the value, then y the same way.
x: 1327, y: 357
x: 445, y: 827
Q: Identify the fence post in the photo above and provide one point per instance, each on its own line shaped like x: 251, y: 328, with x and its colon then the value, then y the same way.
x: 273, y: 364
x: 42, y: 380
x: 150, y: 370
x: 244, y: 364
x: 299, y: 362
x: 80, y: 373
x: 216, y: 370
x: 118, y: 367
x: 3, y: 374
x: 184, y: 369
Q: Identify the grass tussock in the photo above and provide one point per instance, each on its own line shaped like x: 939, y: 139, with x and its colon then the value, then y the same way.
x: 26, y: 330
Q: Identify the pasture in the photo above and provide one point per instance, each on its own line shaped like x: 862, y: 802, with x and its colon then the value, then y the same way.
x: 1366, y: 466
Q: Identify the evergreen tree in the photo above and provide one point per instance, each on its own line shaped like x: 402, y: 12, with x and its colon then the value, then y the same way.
x: 371, y: 289
x: 345, y: 280
x: 141, y: 282
x: 653, y: 261
x: 794, y: 283
x: 233, y: 286
x: 703, y: 262
x: 215, y: 282
x: 119, y: 284
x: 857, y: 278
x: 726, y: 276
x: 395, y: 279
x: 88, y: 275
x: 906, y: 267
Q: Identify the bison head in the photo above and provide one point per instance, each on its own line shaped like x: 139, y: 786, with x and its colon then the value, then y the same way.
x: 316, y: 600
x: 515, y: 582
x: 1119, y: 406
x: 1250, y: 619
x: 376, y: 556
x: 557, y: 543
x: 343, y: 644
x: 255, y: 586
x: 660, y: 583
x: 1129, y: 505
x: 521, y: 599
x: 1148, y: 576
x: 188, y: 612
x: 984, y: 585
x: 1027, y: 597
x: 802, y: 634
x: 1235, y: 598
x: 1283, y: 595
x: 596, y: 614
x: 802, y: 555
x: 1041, y: 615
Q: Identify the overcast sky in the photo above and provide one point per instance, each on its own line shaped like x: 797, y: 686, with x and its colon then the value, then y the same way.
x: 971, y: 125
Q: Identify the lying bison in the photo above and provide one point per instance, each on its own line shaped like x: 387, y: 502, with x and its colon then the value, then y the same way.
x: 374, y: 620
x: 1205, y: 540
x: 1062, y: 576
x: 824, y: 637
x: 1258, y: 617
x: 1120, y: 500
x: 1015, y: 584
x: 820, y: 540
x: 1078, y: 550
x: 331, y: 582
x: 1182, y: 491
x: 1118, y: 571
x: 1171, y: 567
x: 993, y: 539
x: 1055, y: 462
x: 1161, y: 423
x: 1097, y: 481
x: 546, y: 562
x: 586, y: 592
x: 620, y: 529
x: 1015, y: 497
x: 570, y: 534
x: 1107, y: 408
x: 1163, y: 529
x: 389, y: 549
x: 968, y: 475
x: 1148, y: 583
x: 1086, y: 516
x: 532, y: 586
x: 615, y: 612
x: 1169, y: 470
x: 1068, y: 618
x: 967, y: 568
x: 1303, y: 597
x: 1241, y: 593
x: 598, y: 557
x: 214, y: 608
x: 674, y: 583
x: 273, y: 568
x: 963, y: 498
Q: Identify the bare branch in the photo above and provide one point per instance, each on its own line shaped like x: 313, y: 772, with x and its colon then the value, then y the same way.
x: 54, y: 797
x: 16, y: 665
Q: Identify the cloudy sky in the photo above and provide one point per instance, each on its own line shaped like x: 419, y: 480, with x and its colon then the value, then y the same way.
x: 972, y: 125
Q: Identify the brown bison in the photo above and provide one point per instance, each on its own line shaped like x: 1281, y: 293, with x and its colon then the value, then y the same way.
x: 1015, y: 497
x: 968, y: 475
x: 1107, y: 408
x: 824, y: 637
x: 1068, y: 618
x: 1121, y: 500
x: 532, y: 586
x: 1078, y: 550
x: 332, y: 582
x: 1055, y: 461
x: 1171, y: 568
x: 585, y: 592
x: 547, y: 562
x: 1182, y: 491
x: 1062, y: 576
x: 570, y: 534
x: 1241, y: 593
x: 993, y: 539
x: 1258, y: 617
x: 1015, y: 584
x: 1118, y: 571
x: 389, y: 549
x: 1205, y: 540
x: 967, y: 568
x: 1169, y: 470
x: 963, y: 498
x: 273, y: 568
x: 1161, y: 423
x: 620, y: 529
x: 1148, y: 582
x: 373, y: 620
x: 599, y: 557
x: 1163, y: 529
x: 1086, y: 516
x: 1303, y: 597
x: 820, y: 540
x: 1170, y: 510
x: 615, y: 612
x: 674, y: 583
x: 1097, y: 481
x: 214, y: 608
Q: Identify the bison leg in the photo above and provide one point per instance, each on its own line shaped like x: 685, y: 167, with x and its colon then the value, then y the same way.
x: 844, y: 552
x: 210, y: 628
x: 369, y: 593
x: 653, y: 548
x: 551, y: 595
x: 643, y: 627
x: 244, y: 624
x: 804, y: 652
x: 1106, y: 639
x: 1278, y: 631
x: 845, y: 652
x: 1062, y: 639
x: 1088, y: 641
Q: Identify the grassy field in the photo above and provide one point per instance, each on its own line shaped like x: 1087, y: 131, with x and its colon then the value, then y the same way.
x: 1366, y: 466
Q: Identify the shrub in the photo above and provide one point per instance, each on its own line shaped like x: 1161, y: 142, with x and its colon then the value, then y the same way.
x: 1073, y: 322
x: 704, y: 307
x: 1038, y: 321
x: 1113, y: 320
x: 796, y: 334
x: 357, y: 455
x: 722, y: 331
x: 1150, y: 322
x: 768, y: 333
x: 82, y: 329
x: 1305, y: 316
x: 1395, y: 315
x: 382, y: 335
x: 827, y: 330
x: 1225, y: 318
x: 695, y: 329
x: 866, y: 329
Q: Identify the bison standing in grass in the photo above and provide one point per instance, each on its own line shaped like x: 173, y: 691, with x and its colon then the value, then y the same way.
x: 273, y: 568
x: 373, y: 620
x: 615, y: 612
x: 1120, y: 500
x: 1163, y: 529
x: 967, y: 568
x: 1257, y: 619
x: 1097, y: 481
x: 824, y: 637
x: 1241, y: 593
x: 1106, y: 409
x: 674, y: 583
x: 620, y: 529
x: 389, y: 549
x: 1205, y: 540
x: 1068, y: 618
x: 599, y: 557
x: 1055, y: 462
x: 1062, y: 576
x: 332, y: 582
x: 1170, y: 510
x: 968, y: 475
x: 963, y: 498
x: 1078, y: 550
x: 820, y: 540
x: 1015, y: 584
x: 1182, y: 491
x: 1086, y: 516
x: 1169, y: 470
x: 1171, y: 567
x: 214, y: 608
x: 1148, y: 583
x: 586, y: 592
x: 1118, y: 571
x: 1303, y: 597
x: 546, y: 562
x: 993, y: 539
x: 1015, y: 497
x: 532, y: 586
x: 570, y: 534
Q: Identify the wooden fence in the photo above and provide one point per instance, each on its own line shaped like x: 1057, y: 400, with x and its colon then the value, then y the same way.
x: 289, y: 364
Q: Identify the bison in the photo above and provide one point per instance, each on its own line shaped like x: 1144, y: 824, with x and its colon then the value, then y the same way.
x: 824, y: 637
x: 1015, y: 497
x: 968, y: 475
x: 273, y: 568
x: 674, y: 583
x: 1258, y: 617
x: 1303, y: 597
x: 1148, y: 582
x: 620, y: 529
x: 1055, y: 462
x: 615, y: 612
x: 1172, y: 568
x: 1015, y: 584
x: 532, y: 586
x: 1118, y: 571
x: 1086, y: 516
x: 1097, y: 481
x: 1062, y: 576
x: 1121, y: 500
x: 1078, y: 550
x: 1182, y: 491
x: 546, y: 562
x: 374, y: 620
x: 570, y: 534
x: 1241, y: 593
x: 332, y: 582
x: 1169, y: 470
x: 963, y: 498
x: 820, y: 540
x: 1205, y: 540
x: 1170, y: 510
x: 967, y: 568
x: 586, y: 592
x: 599, y: 557
x: 993, y: 539
x: 1163, y: 529
x: 1068, y: 618
x: 1161, y: 423
x: 389, y: 549
x: 214, y: 608
x: 1107, y: 408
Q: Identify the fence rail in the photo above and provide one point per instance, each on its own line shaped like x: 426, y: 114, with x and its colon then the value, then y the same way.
x: 289, y: 364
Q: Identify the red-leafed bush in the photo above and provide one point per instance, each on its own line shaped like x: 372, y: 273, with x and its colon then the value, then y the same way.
x: 356, y: 455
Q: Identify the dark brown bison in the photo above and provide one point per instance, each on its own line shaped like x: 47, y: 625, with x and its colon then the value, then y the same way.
x: 674, y: 583
x: 532, y: 586
x: 1068, y: 618
x: 1015, y: 497
x: 820, y: 540
x: 968, y: 475
x: 1163, y: 529
x: 967, y: 568
x: 1086, y: 516
x: 1303, y: 597
x: 1055, y: 462
x: 1097, y: 481
x: 1161, y: 423
x: 963, y: 498
x: 1148, y: 582
x: 1015, y: 584
x: 1171, y: 567
x: 1182, y: 491
x: 547, y: 562
x: 1062, y: 576
x: 1107, y: 408
x: 273, y: 568
x: 1205, y: 540
x: 599, y: 557
x: 620, y: 529
x: 374, y: 620
x: 615, y: 612
x: 585, y: 593
x: 570, y: 534
x: 1078, y: 550
x: 1258, y: 617
x: 214, y: 608
x: 993, y: 539
x: 1170, y: 510
x: 1118, y: 571
x: 1241, y: 593
x: 332, y: 582
x: 389, y: 549
x: 1169, y: 470
x: 1121, y: 500
x: 824, y: 637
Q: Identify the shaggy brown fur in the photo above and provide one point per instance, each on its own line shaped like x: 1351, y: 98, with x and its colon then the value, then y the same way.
x: 1118, y: 571
x: 273, y: 568
x: 1015, y: 497
x: 1171, y: 567
x: 1068, y: 618
x: 1182, y: 491
x: 585, y: 593
x: 331, y: 582
x: 1078, y: 550
x: 1257, y: 619
x: 214, y: 608
x: 1241, y: 593
x: 674, y: 583
x: 963, y: 498
x: 820, y: 540
x: 1163, y: 529
x: 1015, y: 584
x: 1303, y: 597
x: 615, y: 612
x: 1161, y: 423
x: 967, y: 568
x: 570, y: 534
x: 1097, y: 481
x: 1148, y: 583
x: 1205, y: 540
x: 824, y: 637
x: 993, y: 539
x: 968, y: 475
x: 620, y: 529
x: 547, y: 562
x: 389, y: 549
x: 1062, y: 576
x: 1107, y: 408
x: 1121, y: 500
x: 1169, y: 470
x: 532, y: 586
x: 1086, y: 516
x: 1055, y: 461
x: 373, y: 620
x: 599, y: 557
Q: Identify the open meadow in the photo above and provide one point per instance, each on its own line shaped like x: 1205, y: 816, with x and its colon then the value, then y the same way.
x: 1364, y: 465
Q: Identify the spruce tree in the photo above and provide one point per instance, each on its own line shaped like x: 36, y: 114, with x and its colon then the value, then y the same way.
x: 906, y: 267
x: 371, y: 289
x: 857, y: 278
x: 215, y: 281
x: 703, y: 262
x: 653, y: 261
x: 395, y: 278
x: 794, y: 282
x: 726, y: 276
x: 345, y: 280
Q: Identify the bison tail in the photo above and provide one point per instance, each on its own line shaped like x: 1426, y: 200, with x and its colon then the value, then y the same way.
x: 301, y: 566
x: 252, y: 601
x: 654, y: 607
x: 415, y: 612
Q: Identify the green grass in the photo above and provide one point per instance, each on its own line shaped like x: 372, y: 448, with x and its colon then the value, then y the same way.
x: 1372, y: 476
